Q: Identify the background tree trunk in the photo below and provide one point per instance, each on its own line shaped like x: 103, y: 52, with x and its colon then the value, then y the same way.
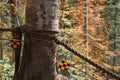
x: 39, y: 56
x: 1, y: 50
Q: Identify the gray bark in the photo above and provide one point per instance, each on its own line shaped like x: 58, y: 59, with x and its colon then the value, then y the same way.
x: 39, y: 56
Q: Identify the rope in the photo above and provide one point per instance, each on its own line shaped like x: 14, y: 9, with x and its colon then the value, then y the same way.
x: 53, y: 37
x: 8, y: 29
x: 87, y: 59
x: 24, y: 30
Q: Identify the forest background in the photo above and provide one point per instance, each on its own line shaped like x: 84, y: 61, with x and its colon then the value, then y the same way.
x: 92, y: 28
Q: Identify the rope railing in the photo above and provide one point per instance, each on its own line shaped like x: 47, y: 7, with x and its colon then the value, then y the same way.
x: 57, y: 41
x: 87, y: 59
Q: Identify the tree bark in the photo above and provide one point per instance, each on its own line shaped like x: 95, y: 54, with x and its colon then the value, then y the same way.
x: 39, y: 55
x: 1, y: 50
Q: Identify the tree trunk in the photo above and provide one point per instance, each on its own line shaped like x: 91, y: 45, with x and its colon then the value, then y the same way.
x: 1, y: 50
x: 39, y: 56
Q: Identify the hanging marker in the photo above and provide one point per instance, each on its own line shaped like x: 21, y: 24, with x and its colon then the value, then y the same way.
x: 15, y: 43
x: 64, y: 65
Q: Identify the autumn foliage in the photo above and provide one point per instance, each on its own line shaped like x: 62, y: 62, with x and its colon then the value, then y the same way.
x: 86, y: 26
